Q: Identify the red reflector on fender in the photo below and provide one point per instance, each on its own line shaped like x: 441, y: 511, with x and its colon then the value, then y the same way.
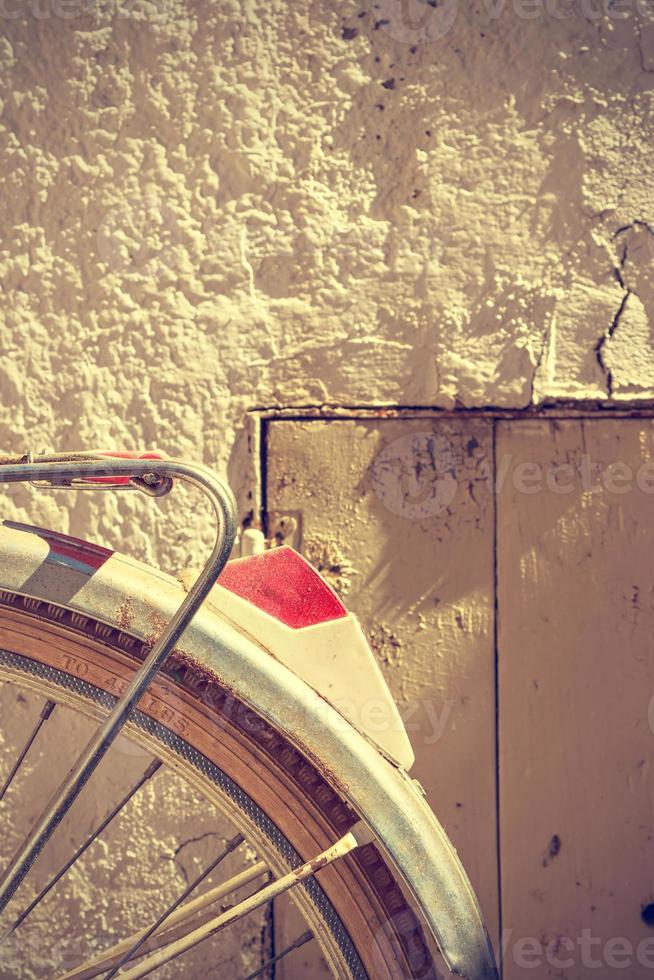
x: 284, y: 585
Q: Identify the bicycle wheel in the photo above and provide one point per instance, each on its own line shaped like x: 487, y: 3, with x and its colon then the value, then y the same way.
x: 288, y: 803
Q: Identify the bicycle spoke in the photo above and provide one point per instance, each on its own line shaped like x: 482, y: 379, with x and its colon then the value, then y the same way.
x: 338, y: 850
x: 224, y: 510
x: 132, y: 951
x: 177, y: 925
x: 300, y: 941
x: 147, y: 775
x: 46, y: 711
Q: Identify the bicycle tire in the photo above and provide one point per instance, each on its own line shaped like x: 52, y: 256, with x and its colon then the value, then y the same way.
x: 291, y: 805
x: 304, y: 814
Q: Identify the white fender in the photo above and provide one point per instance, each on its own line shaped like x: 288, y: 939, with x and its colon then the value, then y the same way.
x: 279, y: 600
x: 123, y: 593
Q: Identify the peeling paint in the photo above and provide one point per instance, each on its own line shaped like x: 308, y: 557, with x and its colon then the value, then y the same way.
x: 330, y: 559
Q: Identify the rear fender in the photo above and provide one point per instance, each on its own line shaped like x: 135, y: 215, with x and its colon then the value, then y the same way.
x: 133, y: 597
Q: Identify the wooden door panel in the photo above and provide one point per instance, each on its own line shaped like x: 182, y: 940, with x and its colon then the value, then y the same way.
x: 398, y: 516
x: 576, y: 677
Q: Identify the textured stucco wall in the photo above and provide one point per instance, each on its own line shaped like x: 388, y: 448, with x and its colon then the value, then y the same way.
x: 210, y: 206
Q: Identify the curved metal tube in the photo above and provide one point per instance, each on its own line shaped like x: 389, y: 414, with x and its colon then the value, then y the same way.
x: 385, y: 796
x: 224, y: 508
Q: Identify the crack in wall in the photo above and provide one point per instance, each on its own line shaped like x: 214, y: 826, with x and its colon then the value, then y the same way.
x: 605, y: 338
x: 618, y: 271
x: 194, y: 840
x: 546, y: 338
x: 638, y: 223
x: 185, y: 843
x: 642, y: 56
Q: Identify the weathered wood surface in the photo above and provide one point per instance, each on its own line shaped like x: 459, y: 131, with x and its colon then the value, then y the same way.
x: 576, y: 681
x: 398, y: 516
